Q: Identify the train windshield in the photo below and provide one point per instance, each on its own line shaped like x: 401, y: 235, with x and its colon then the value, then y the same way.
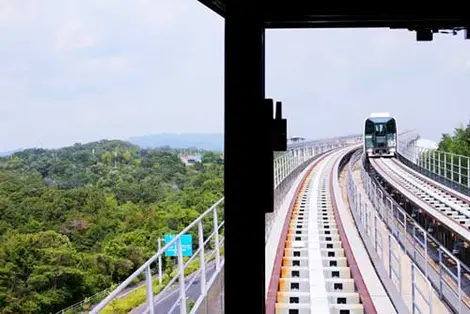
x: 380, y: 126
x: 391, y: 126
x: 380, y: 129
x: 369, y: 127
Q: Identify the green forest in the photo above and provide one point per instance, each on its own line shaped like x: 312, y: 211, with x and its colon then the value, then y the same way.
x: 458, y: 142
x: 77, y: 220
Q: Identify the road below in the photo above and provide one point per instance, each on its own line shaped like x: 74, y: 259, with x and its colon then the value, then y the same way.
x: 165, y: 301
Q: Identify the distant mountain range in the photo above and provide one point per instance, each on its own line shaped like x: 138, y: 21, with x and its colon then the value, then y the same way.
x: 4, y: 154
x: 206, y: 141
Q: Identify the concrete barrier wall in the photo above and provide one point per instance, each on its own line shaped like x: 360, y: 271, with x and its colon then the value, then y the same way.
x: 214, y: 301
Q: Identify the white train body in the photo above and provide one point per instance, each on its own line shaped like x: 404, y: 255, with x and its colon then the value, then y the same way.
x: 380, y: 135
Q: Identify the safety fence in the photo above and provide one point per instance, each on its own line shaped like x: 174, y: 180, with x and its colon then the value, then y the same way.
x: 405, y: 248
x: 446, y: 168
x: 197, y: 283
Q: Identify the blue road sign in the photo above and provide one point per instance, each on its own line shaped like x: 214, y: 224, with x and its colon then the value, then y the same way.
x: 186, y: 241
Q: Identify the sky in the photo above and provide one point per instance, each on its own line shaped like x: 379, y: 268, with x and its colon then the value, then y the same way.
x: 81, y: 70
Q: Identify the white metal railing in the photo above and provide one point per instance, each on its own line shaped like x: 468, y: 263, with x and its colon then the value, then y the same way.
x: 430, y: 261
x: 180, y: 275
x: 308, y: 143
x: 289, y: 164
x: 441, y: 166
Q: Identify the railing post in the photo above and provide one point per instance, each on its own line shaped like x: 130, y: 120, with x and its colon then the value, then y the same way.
x: 390, y: 256
x: 149, y: 290
x: 445, y: 165
x: 452, y: 168
x: 439, y: 163
x: 216, y: 236
x: 426, y: 266
x: 413, y: 293
x: 459, y: 282
x: 405, y: 234
x: 460, y: 169
x: 420, y: 157
x: 429, y: 161
x: 468, y: 172
x: 440, y: 273
x: 423, y: 158
x: 284, y: 166
x: 181, y: 278
x: 414, y: 241
x: 274, y: 171
x: 159, y: 262
x: 202, y: 258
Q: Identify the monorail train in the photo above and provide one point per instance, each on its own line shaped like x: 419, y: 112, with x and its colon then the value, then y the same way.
x: 380, y: 135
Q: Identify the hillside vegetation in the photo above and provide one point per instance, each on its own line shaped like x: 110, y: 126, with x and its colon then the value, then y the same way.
x: 458, y: 142
x: 78, y: 219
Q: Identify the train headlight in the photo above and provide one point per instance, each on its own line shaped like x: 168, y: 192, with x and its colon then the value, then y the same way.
x: 369, y: 150
x: 392, y: 150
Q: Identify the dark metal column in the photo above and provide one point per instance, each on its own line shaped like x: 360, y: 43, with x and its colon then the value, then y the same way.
x: 248, y: 163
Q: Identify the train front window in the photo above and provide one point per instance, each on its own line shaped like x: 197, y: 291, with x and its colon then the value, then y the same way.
x: 369, y: 127
x: 391, y: 126
x: 380, y: 129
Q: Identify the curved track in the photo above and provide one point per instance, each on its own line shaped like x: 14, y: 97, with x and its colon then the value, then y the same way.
x: 443, y: 204
x: 319, y: 273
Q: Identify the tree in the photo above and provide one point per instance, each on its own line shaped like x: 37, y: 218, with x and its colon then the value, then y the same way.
x: 458, y: 143
x: 211, y: 157
x: 78, y: 219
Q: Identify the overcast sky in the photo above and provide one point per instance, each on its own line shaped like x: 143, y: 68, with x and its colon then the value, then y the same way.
x: 81, y: 70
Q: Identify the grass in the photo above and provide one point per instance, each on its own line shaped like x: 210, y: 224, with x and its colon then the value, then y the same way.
x: 134, y: 299
x: 191, y: 304
x: 138, y: 296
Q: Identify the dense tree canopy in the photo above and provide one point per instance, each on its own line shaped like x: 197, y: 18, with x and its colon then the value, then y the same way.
x: 457, y: 143
x: 78, y: 219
